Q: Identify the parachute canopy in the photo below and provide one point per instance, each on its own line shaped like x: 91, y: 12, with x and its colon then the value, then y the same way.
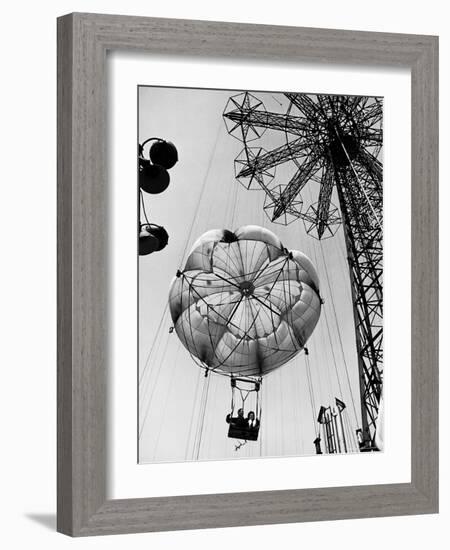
x: 243, y: 304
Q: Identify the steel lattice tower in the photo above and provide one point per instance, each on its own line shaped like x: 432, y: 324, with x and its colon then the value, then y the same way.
x: 335, y: 141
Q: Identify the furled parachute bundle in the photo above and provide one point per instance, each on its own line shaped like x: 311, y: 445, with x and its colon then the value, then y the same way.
x: 243, y: 304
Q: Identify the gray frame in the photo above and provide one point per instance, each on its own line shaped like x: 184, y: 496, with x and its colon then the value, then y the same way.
x: 83, y: 40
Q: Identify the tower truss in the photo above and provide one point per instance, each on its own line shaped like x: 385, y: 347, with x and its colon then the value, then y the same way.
x: 335, y: 141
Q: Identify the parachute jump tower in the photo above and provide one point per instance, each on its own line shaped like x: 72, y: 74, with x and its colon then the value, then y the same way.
x: 335, y: 141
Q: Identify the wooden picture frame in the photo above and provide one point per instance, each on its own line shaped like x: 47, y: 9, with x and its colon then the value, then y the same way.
x: 83, y: 41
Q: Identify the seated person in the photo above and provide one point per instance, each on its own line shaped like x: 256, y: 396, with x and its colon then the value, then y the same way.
x: 252, y: 421
x: 239, y: 421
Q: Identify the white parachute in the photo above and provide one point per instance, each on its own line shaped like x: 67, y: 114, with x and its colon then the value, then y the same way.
x: 243, y: 304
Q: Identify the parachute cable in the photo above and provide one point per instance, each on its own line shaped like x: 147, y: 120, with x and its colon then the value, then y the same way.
x: 311, y: 391
x: 200, y: 198
x: 202, y: 415
x: 192, y: 412
x: 339, y: 336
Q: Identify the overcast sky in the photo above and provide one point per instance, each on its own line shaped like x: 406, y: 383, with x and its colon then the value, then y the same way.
x: 203, y: 195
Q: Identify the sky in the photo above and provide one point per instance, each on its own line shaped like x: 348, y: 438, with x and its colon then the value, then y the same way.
x: 182, y: 413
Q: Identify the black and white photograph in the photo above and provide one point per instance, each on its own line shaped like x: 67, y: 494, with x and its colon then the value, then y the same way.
x: 229, y: 221
x: 260, y: 267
